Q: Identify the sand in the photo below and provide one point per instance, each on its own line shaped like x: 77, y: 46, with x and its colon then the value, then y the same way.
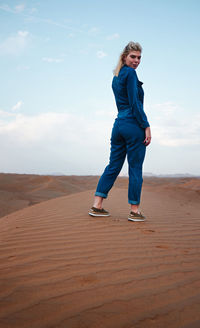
x: 61, y: 268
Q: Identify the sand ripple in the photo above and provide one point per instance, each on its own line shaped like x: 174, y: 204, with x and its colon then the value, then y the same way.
x: 61, y: 268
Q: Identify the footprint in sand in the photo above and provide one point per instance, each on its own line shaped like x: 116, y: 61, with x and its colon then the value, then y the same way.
x: 88, y: 279
x: 148, y: 231
x: 162, y: 246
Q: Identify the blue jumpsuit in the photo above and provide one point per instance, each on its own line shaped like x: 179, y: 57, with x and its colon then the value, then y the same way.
x: 127, y: 136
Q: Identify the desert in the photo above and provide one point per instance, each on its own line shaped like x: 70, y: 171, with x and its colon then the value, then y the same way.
x: 59, y: 267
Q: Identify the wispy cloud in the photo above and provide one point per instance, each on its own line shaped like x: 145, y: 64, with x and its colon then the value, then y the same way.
x: 52, y: 22
x: 52, y: 60
x: 93, y: 31
x: 7, y: 8
x: 101, y: 54
x: 27, y: 13
x: 71, y: 35
x: 20, y: 8
x: 17, y: 106
x: 113, y: 36
x: 15, y: 10
x: 171, y: 125
x: 15, y: 45
x: 23, y: 68
x: 23, y: 34
x: 33, y: 10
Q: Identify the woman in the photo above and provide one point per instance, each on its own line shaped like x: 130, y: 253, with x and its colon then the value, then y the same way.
x: 130, y: 134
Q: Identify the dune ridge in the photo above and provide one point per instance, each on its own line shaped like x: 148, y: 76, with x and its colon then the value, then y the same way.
x: 18, y: 191
x: 59, y: 267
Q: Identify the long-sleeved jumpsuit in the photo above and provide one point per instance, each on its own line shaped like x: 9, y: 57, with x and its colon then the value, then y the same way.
x: 127, y: 136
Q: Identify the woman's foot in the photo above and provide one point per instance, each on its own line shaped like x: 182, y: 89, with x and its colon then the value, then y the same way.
x: 136, y: 217
x: 94, y: 211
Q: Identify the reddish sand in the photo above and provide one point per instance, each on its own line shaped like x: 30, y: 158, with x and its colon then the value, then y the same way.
x: 61, y: 268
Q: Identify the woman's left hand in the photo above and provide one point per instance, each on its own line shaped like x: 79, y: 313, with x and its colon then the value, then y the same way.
x: 147, y: 139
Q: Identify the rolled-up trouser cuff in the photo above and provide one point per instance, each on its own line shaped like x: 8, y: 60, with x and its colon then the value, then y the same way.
x: 133, y: 202
x: 101, y: 194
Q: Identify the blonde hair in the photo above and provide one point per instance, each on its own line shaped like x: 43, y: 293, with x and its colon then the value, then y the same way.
x: 131, y: 46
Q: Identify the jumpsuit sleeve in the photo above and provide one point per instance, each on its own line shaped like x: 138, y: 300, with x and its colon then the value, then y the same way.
x: 136, y: 104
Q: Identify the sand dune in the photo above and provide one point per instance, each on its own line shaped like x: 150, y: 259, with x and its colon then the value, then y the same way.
x: 22, y: 190
x: 61, y: 268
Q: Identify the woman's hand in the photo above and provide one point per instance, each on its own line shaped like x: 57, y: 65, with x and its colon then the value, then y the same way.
x: 147, y: 139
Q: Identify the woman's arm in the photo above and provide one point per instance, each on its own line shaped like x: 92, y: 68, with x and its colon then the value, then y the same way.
x: 134, y: 101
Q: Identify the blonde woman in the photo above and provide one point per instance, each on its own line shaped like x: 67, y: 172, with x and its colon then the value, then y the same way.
x: 130, y: 134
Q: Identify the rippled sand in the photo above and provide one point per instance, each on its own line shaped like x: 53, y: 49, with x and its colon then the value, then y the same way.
x: 59, y: 267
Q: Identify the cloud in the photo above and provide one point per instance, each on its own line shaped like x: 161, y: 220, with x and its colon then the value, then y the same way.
x: 47, y: 21
x: 17, y: 106
x: 93, y: 31
x: 23, y: 34
x: 28, y: 16
x: 173, y: 127
x: 22, y: 68
x: 52, y: 125
x: 4, y: 116
x: 52, y: 60
x: 19, y: 8
x: 101, y: 54
x: 112, y: 36
x: 77, y: 144
x: 15, y: 45
x: 71, y: 35
x: 33, y: 10
x: 5, y: 7
x: 15, y: 10
x: 54, y: 140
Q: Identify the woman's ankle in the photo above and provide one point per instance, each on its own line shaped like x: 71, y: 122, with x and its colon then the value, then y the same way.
x: 98, y: 202
x: 134, y: 208
x: 99, y: 206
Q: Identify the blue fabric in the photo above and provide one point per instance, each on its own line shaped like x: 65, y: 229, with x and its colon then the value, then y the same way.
x: 128, y: 135
x: 127, y: 139
x: 129, y: 95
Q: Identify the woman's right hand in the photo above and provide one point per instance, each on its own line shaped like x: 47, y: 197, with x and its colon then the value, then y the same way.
x: 147, y: 139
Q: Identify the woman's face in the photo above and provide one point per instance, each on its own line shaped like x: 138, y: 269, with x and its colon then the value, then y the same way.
x: 133, y: 59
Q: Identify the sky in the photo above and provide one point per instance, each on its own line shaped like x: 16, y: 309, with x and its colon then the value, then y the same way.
x: 57, y: 107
